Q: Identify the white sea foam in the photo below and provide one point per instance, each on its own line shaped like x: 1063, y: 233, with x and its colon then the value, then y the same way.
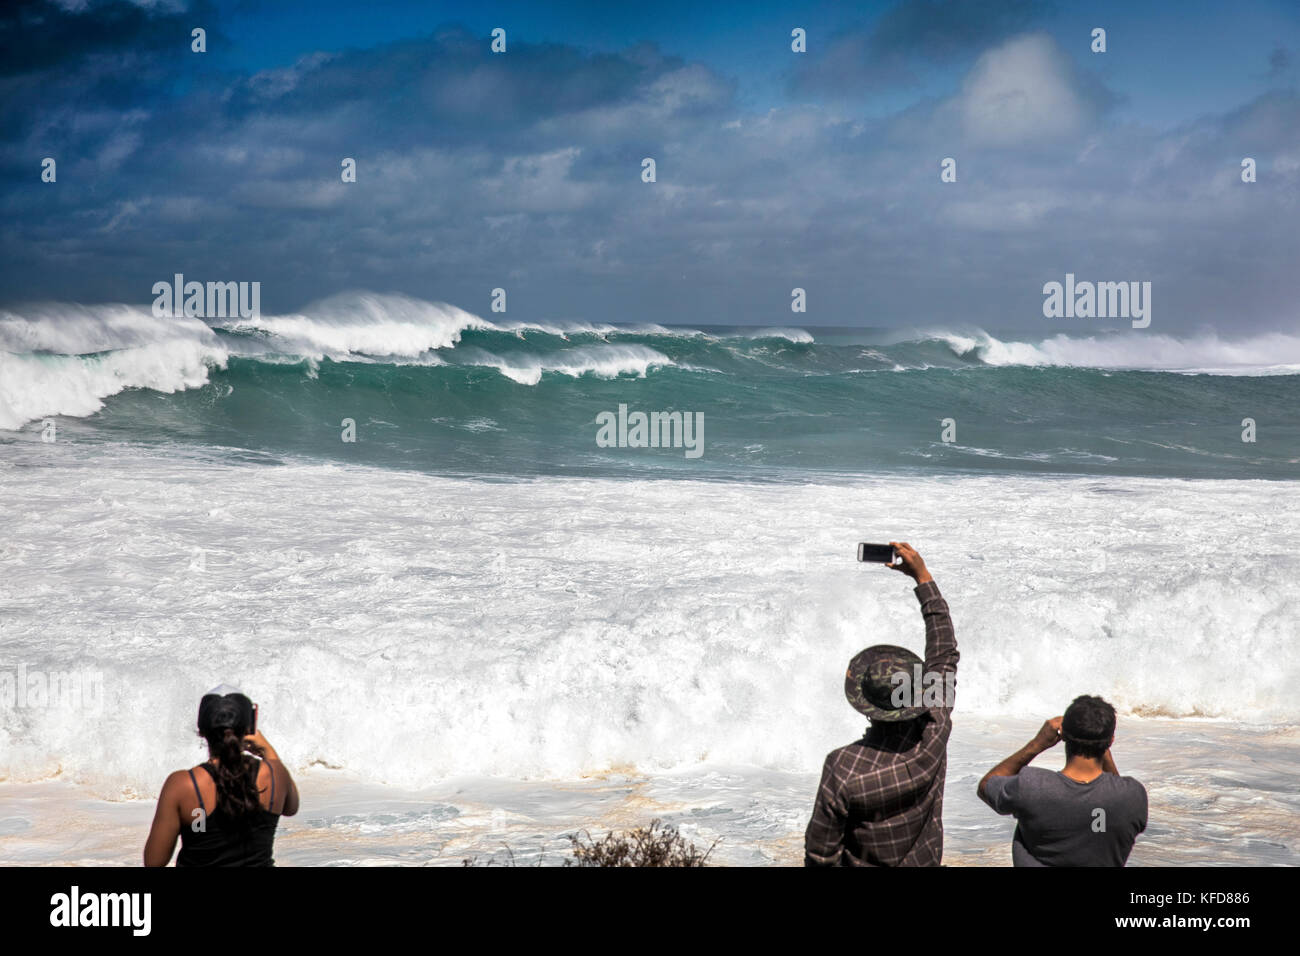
x: 399, y: 326
x: 66, y: 358
x: 792, y: 335
x: 362, y: 324
x: 57, y: 360
x: 79, y: 330
x: 601, y: 361
x: 1270, y: 353
x: 410, y: 628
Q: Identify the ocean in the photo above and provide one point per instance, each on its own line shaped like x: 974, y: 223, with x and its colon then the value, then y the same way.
x: 436, y: 389
x: 475, y: 627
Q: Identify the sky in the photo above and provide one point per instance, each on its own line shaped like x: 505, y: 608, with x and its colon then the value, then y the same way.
x: 775, y: 169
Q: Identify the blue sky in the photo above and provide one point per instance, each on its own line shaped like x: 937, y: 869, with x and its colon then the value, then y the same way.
x: 775, y: 169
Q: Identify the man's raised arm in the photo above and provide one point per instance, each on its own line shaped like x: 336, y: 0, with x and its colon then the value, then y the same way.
x: 940, y: 637
x: 1048, y: 736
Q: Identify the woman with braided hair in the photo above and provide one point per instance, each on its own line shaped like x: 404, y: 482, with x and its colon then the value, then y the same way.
x: 226, y: 814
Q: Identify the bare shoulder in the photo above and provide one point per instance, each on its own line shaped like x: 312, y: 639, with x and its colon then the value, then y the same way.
x: 173, y: 788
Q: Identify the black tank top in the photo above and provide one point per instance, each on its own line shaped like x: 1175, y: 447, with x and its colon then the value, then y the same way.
x: 225, y: 842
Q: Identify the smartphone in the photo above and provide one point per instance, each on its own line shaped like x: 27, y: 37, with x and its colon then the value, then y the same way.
x: 253, y: 727
x: 876, y: 553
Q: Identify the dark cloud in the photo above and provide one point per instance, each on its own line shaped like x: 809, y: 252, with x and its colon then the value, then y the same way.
x: 942, y: 30
x: 38, y: 35
x: 449, y: 85
x: 909, y: 36
x: 1279, y: 62
x: 58, y: 64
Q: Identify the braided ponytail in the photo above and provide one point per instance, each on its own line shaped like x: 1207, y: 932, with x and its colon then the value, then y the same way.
x: 237, y: 792
x: 223, y: 723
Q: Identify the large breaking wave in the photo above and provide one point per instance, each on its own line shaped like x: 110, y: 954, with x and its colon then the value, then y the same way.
x: 436, y: 387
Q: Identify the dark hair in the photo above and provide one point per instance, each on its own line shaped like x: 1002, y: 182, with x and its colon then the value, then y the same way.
x: 223, y: 723
x: 1088, y: 727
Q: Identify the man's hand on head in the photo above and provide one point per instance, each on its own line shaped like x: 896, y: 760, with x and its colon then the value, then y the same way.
x: 910, y: 563
x: 1048, y: 736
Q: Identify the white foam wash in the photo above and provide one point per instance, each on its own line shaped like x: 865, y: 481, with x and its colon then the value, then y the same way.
x: 408, y: 629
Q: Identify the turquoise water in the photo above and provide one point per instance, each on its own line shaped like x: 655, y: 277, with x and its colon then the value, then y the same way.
x: 439, y: 390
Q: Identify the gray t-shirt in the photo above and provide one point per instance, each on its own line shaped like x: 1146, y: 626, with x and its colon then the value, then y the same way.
x: 1062, y: 822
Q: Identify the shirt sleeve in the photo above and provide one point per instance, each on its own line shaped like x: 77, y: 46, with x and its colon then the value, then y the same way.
x: 1142, y: 802
x: 1003, y: 794
x: 941, y: 654
x: 824, y: 838
x: 940, y: 637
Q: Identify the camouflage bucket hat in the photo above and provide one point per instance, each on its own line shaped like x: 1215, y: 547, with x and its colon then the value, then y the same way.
x: 869, y: 684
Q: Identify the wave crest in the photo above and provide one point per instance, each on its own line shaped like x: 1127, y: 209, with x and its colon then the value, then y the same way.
x: 1269, y: 353
x: 59, y: 360
x: 601, y: 361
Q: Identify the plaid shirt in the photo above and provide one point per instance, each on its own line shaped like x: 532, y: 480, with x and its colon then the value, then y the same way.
x: 880, y: 802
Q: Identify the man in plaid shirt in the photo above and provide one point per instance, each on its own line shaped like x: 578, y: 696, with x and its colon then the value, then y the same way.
x: 880, y: 801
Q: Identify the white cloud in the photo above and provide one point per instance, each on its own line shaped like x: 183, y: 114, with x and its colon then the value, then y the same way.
x: 691, y: 87
x: 1022, y: 92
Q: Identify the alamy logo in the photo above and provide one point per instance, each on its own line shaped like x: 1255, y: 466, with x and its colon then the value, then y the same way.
x: 102, y: 909
x: 656, y: 430
x: 67, y: 690
x: 923, y: 689
x: 212, y: 300
x: 1098, y: 300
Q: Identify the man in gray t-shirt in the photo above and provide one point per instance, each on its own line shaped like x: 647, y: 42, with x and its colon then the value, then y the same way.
x: 1085, y: 815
